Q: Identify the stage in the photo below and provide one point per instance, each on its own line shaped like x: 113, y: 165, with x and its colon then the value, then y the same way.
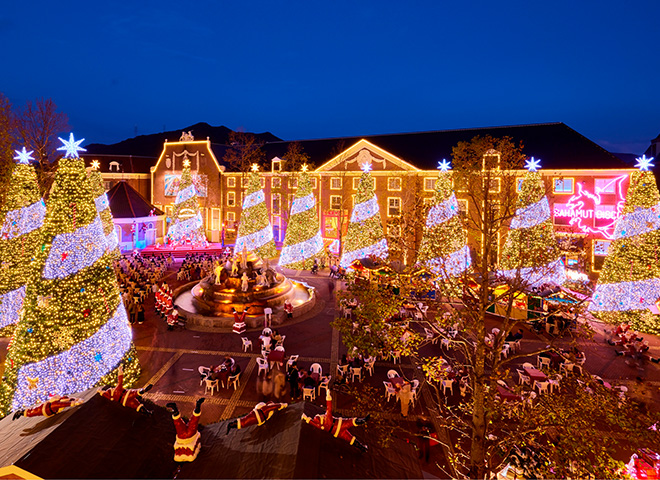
x: 182, y: 251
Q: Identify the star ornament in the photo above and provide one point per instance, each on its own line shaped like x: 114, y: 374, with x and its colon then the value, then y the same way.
x: 186, y: 163
x: 304, y: 168
x: 23, y: 156
x: 533, y: 165
x: 255, y: 167
x: 71, y: 147
x: 366, y: 167
x: 95, y: 165
x: 644, y: 163
x: 444, y: 165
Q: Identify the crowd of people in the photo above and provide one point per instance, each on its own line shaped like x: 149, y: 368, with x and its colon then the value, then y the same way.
x: 196, y: 266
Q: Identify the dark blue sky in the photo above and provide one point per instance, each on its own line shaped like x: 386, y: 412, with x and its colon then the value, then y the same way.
x: 311, y: 69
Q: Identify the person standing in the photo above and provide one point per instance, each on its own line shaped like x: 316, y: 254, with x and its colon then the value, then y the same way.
x: 405, y: 396
x: 288, y: 308
x: 293, y: 380
x: 268, y: 317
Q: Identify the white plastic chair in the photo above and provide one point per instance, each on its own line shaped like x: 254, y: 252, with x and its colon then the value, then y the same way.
x: 210, y: 385
x: 528, y: 365
x: 316, y: 368
x: 203, y: 372
x: 263, y: 365
x: 280, y: 343
x: 279, y: 348
x: 415, y: 387
x: 356, y: 372
x: 396, y: 356
x: 310, y: 393
x: 291, y: 360
x: 495, y: 331
x: 523, y: 378
x: 342, y: 370
x: 369, y: 366
x: 392, y: 374
x: 324, y: 383
x: 544, y: 362
x: 515, y: 346
x: 567, y: 368
x: 266, y: 332
x: 448, y: 384
x: 234, y: 380
x: 542, y: 386
x: 445, y: 343
x: 390, y: 391
x: 246, y: 343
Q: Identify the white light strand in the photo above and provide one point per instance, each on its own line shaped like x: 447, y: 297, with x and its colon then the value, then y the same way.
x: 253, y: 199
x: 303, y: 203
x: 78, y: 368
x: 71, y: 252
x: 442, y: 212
x: 301, y: 251
x: 186, y: 194
x: 552, y: 273
x: 10, y: 306
x: 378, y: 249
x: 23, y: 220
x: 531, y: 215
x: 112, y: 240
x: 624, y: 296
x: 101, y: 202
x: 452, y: 265
x: 184, y: 227
x: 365, y: 210
x: 642, y: 220
x: 254, y: 240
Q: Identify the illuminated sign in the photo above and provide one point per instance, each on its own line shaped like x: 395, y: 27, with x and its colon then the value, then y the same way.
x: 586, y: 211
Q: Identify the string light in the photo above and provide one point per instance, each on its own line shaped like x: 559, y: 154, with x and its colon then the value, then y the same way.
x: 253, y: 199
x: 536, y: 276
x: 441, y: 212
x: 24, y: 220
x: 531, y: 215
x: 452, y: 265
x: 378, y: 249
x: 255, y: 231
x: 23, y: 156
x: 640, y: 221
x: 10, y: 306
x: 644, y: 163
x: 187, y: 223
x: 365, y: 210
x: 103, y: 209
x: 301, y: 251
x: 71, y: 147
x: 444, y: 165
x: 637, y: 295
x: 532, y: 165
x: 71, y: 252
x: 300, y: 204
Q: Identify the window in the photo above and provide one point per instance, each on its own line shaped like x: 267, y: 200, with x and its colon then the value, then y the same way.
x: 275, y: 204
x: 231, y: 199
x: 244, y: 181
x: 231, y: 217
x: 314, y: 183
x: 168, y: 210
x: 276, y: 165
x: 494, y: 185
x: 605, y: 185
x: 491, y: 160
x: 335, y: 202
x: 356, y: 182
x: 231, y: 182
x: 393, y: 206
x: 462, y: 206
x: 394, y: 184
x: 601, y: 247
x: 107, y: 186
x: 276, y: 182
x: 563, y: 185
x: 215, y: 219
x: 429, y: 184
x: 335, y: 183
x: 293, y: 182
x: 263, y: 182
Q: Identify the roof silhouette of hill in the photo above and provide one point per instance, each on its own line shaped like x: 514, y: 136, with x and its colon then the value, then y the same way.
x: 151, y: 145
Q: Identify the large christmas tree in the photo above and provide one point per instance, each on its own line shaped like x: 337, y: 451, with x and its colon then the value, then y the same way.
x: 630, y: 280
x: 303, y: 240
x: 74, y: 331
x: 531, y: 253
x: 22, y: 216
x: 364, y: 236
x: 187, y: 225
x: 103, y: 209
x: 444, y: 247
x: 255, y: 232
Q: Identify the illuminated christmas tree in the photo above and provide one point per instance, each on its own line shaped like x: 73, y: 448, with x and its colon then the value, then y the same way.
x: 255, y: 231
x: 364, y: 236
x: 22, y: 216
x: 531, y: 253
x: 103, y: 209
x: 629, y: 282
x: 303, y: 240
x: 187, y: 225
x: 74, y: 331
x: 444, y: 247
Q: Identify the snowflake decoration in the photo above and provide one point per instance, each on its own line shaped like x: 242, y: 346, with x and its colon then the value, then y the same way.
x: 444, y: 165
x: 366, y: 167
x: 95, y: 165
x: 644, y: 163
x: 255, y: 167
x: 23, y: 156
x: 532, y: 165
x: 186, y: 162
x: 304, y: 168
x: 71, y: 147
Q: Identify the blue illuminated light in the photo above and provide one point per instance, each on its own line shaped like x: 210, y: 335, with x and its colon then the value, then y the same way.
x: 71, y: 147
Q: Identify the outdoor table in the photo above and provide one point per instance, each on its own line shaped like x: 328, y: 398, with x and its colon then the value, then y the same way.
x: 556, y: 359
x: 276, y: 356
x: 220, y: 373
x: 506, y: 394
x: 397, y: 381
x: 536, y: 375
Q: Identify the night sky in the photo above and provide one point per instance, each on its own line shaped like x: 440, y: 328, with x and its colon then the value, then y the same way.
x: 311, y: 70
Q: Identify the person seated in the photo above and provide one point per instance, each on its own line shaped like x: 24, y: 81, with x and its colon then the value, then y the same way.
x: 512, y: 337
x: 276, y: 337
x: 357, y: 362
x: 235, y: 369
x: 228, y: 362
x: 309, y: 382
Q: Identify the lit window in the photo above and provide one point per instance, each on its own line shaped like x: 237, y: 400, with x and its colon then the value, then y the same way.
x: 356, y: 182
x: 231, y: 182
x: 462, y: 206
x: 231, y: 217
x: 605, y: 185
x: 601, y: 247
x: 494, y: 185
x: 263, y: 182
x: 294, y: 182
x: 231, y: 199
x: 335, y: 202
x: 393, y: 206
x: 276, y: 182
x: 244, y: 181
x: 394, y: 184
x: 429, y: 184
x: 491, y: 160
x: 275, y: 204
x: 563, y: 185
x: 314, y: 183
x: 335, y: 183
x: 215, y: 218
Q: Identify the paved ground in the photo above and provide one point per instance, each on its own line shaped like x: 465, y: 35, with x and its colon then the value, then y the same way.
x: 170, y: 360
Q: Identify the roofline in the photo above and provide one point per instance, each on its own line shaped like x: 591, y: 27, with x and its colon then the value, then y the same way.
x: 367, y: 144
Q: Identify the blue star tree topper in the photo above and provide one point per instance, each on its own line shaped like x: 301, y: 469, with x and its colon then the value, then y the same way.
x: 644, y: 163
x: 444, y: 165
x: 71, y: 147
x: 366, y: 167
x: 533, y: 165
x: 23, y: 156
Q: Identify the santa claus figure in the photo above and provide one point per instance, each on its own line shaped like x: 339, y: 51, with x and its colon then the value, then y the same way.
x: 239, y: 322
x: 128, y: 398
x: 52, y: 406
x: 258, y: 416
x: 188, y: 439
x: 337, y: 426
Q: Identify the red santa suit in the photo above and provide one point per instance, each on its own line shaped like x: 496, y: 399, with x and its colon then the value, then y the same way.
x: 260, y: 414
x: 128, y: 398
x: 239, y: 322
x: 188, y: 439
x: 53, y: 406
x: 337, y: 426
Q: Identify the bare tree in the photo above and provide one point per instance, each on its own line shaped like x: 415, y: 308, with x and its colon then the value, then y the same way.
x: 244, y: 150
x: 6, y: 140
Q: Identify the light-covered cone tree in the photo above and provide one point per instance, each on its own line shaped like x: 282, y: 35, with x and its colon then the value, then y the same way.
x: 531, y: 256
x: 629, y: 283
x: 255, y: 232
x: 444, y: 247
x: 103, y: 209
x: 22, y: 216
x: 74, y: 331
x: 364, y: 236
x: 303, y: 241
x: 187, y: 225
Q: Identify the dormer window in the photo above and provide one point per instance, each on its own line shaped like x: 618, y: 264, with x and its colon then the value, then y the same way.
x: 276, y: 165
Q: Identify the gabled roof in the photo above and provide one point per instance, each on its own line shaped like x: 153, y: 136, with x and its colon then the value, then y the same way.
x: 126, y: 202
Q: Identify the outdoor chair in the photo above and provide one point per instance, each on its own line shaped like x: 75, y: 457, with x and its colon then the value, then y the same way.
x: 342, y: 370
x: 246, y: 343
x: 555, y: 382
x: 316, y: 368
x: 369, y: 366
x: 389, y: 390
x: 415, y: 387
x: 448, y: 384
x: 528, y: 365
x: 523, y: 378
x: 309, y: 393
x: 324, y: 383
x: 542, y: 387
x: 263, y: 365
x: 234, y: 380
x: 356, y: 372
x: 210, y: 385
x: 291, y: 360
x: 392, y: 374
x: 396, y: 356
x: 544, y: 362
x: 203, y: 373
